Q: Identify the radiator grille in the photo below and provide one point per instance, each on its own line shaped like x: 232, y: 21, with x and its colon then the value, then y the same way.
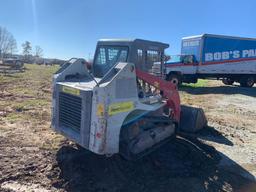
x: 70, y: 108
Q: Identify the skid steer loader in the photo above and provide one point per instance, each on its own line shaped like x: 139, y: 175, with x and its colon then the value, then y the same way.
x: 123, y: 104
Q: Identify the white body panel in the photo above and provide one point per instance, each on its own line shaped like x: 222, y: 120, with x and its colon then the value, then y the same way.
x: 241, y: 67
x: 105, y: 129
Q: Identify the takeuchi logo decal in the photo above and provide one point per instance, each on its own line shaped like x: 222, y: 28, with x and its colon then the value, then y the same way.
x: 236, y: 54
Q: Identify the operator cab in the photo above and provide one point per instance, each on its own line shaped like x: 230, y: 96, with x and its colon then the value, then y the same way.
x: 148, y: 56
x: 142, y: 53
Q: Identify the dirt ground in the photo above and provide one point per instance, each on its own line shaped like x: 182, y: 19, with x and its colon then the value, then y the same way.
x: 222, y: 157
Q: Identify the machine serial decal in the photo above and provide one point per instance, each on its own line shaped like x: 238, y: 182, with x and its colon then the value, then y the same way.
x: 120, y: 107
x: 70, y: 90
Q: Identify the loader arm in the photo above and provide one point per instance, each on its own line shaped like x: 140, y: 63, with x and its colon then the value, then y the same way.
x: 168, y: 89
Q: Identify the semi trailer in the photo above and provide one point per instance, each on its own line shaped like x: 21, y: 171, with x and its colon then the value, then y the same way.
x: 123, y: 104
x: 231, y: 59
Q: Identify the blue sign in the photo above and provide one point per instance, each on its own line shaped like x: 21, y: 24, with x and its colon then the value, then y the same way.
x: 191, y: 46
x: 225, y: 48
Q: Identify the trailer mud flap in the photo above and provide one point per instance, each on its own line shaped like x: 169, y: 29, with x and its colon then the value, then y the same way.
x: 192, y: 119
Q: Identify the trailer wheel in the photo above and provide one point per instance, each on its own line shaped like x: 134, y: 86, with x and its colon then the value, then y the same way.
x: 227, y: 81
x: 247, y: 81
x: 175, y: 79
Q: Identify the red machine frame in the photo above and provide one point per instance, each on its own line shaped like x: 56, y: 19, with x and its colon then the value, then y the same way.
x: 168, y: 89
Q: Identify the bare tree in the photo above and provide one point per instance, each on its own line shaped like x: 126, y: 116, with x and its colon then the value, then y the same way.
x: 26, y: 50
x: 3, y: 41
x: 8, y: 44
x: 38, y: 52
x: 12, y: 45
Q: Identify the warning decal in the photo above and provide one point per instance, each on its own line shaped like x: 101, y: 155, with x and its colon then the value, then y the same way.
x: 121, y: 107
x: 70, y: 90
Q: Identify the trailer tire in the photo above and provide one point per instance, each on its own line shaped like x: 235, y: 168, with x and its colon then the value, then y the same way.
x: 247, y: 81
x: 175, y: 79
x: 227, y: 81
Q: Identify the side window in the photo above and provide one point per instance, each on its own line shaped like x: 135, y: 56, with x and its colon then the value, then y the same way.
x: 101, y: 59
x: 140, y: 55
x: 123, y: 56
x: 153, y: 56
x: 187, y: 59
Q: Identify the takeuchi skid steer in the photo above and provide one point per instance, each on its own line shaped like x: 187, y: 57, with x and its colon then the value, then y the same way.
x: 123, y: 104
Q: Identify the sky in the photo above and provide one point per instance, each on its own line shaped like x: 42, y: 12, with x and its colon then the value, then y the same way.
x: 71, y: 28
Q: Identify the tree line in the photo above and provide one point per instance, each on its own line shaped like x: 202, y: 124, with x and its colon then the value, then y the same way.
x: 8, y: 46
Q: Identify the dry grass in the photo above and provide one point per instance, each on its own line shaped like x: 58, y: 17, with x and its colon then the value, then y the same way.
x: 25, y: 105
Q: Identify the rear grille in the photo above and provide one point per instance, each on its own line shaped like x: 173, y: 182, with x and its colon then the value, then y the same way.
x: 70, y: 108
